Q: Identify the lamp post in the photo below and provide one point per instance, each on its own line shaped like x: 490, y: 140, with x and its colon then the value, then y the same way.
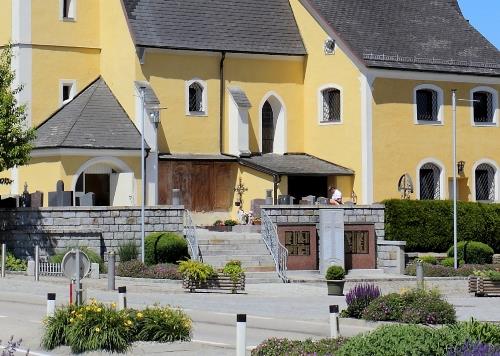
x: 143, y: 169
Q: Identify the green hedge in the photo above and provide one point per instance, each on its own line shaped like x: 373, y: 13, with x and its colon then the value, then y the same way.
x: 165, y: 247
x: 427, y: 225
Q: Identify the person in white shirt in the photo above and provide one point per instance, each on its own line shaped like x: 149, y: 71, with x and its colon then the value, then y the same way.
x: 336, y: 196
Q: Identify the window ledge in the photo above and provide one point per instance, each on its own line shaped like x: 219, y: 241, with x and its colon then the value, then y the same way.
x: 326, y: 123
x: 484, y: 124
x: 197, y: 114
x: 429, y: 123
x: 68, y: 19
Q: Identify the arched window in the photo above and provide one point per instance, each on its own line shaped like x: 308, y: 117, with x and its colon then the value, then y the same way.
x: 330, y: 108
x: 484, y: 106
x: 195, y: 97
x: 430, y: 182
x: 427, y: 105
x: 485, y: 182
x: 268, y: 128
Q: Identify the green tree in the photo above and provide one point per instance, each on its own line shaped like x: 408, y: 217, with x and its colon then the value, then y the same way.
x: 15, y: 138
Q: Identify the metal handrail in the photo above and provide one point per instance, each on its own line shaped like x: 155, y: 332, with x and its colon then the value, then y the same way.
x: 190, y: 235
x: 277, y: 250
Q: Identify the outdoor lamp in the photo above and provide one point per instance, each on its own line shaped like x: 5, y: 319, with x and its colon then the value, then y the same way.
x: 154, y: 115
x: 460, y: 166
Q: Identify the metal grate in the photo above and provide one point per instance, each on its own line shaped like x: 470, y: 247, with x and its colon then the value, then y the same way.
x: 483, y: 106
x: 267, y: 128
x: 331, y: 105
x: 430, y: 187
x: 427, y: 105
x: 195, y: 98
x: 485, y: 183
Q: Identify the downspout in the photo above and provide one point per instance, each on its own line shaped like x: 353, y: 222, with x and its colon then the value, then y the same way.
x: 276, y: 181
x: 222, y: 102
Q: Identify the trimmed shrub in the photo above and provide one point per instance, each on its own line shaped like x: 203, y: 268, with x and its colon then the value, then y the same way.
x: 473, y: 252
x: 275, y: 346
x: 165, y: 247
x: 128, y: 251
x: 442, y: 271
x: 417, y: 306
x: 429, y: 259
x: 334, y: 273
x: 358, y: 298
x: 137, y: 269
x: 426, y: 226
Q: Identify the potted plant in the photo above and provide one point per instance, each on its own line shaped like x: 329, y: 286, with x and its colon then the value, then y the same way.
x: 335, y: 280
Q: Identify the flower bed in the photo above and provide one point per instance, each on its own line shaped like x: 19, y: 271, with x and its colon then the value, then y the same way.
x: 98, y: 327
x: 137, y: 269
x: 443, y: 271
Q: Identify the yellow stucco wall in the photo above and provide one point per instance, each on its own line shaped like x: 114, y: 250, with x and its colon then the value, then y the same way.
x: 53, y: 64
x: 47, y: 28
x: 338, y: 143
x: 5, y: 21
x: 399, y: 144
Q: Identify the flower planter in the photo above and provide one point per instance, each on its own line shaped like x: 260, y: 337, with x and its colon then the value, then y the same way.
x: 335, y: 287
x: 483, y: 286
x: 221, y: 282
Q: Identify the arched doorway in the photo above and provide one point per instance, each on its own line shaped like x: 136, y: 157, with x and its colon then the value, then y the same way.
x: 273, y: 124
x: 110, y: 179
x: 268, y: 128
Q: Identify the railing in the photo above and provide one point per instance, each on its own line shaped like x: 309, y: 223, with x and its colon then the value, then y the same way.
x: 278, y: 251
x: 190, y: 235
x: 50, y: 269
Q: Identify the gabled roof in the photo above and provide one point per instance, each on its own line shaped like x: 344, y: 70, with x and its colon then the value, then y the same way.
x: 244, y: 26
x: 424, y: 35
x: 93, y: 119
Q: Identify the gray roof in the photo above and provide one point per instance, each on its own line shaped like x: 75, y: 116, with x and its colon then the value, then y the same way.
x: 246, y: 26
x: 195, y: 157
x: 240, y: 97
x: 93, y: 119
x: 424, y: 35
x: 150, y: 97
x: 294, y: 164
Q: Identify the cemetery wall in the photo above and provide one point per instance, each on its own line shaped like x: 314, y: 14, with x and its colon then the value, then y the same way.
x: 99, y: 228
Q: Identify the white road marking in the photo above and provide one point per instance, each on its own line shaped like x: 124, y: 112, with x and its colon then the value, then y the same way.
x: 31, y: 353
x: 3, y: 316
x: 213, y: 343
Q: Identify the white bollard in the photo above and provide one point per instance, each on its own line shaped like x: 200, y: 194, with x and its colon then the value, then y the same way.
x: 51, y: 304
x: 334, y: 321
x: 37, y: 263
x: 241, y: 334
x: 122, y: 298
x: 4, y: 257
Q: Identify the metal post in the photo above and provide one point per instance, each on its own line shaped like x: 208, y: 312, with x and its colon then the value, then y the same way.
x: 122, y: 298
x: 51, y: 304
x: 37, y: 263
x: 420, y: 274
x: 4, y: 256
x: 334, y: 321
x: 241, y: 334
x: 77, y: 278
x: 454, y: 168
x: 111, y: 270
x: 143, y: 170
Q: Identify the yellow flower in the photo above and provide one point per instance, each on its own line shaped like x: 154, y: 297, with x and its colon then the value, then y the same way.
x: 73, y: 312
x: 71, y: 320
x: 113, y: 305
x: 139, y: 315
x: 97, y: 329
x: 98, y: 310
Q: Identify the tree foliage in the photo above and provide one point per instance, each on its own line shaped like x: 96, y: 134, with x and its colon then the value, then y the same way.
x: 15, y: 138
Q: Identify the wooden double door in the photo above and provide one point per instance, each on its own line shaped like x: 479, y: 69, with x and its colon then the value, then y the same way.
x: 205, y: 186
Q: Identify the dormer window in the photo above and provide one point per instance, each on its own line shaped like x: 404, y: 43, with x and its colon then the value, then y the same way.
x: 68, y: 9
x: 196, y: 98
x: 484, y: 106
x: 428, y: 100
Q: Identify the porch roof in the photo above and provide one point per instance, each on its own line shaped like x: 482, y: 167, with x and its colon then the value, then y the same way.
x: 195, y: 157
x: 295, y: 164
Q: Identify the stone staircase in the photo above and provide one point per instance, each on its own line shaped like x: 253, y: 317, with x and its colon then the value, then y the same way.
x: 217, y: 248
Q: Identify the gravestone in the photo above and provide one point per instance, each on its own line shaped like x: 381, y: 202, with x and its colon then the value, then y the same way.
x: 36, y: 199
x: 331, y: 246
x: 285, y: 200
x: 322, y: 201
x: 255, y: 206
x: 10, y: 202
x: 269, y: 197
x: 87, y: 199
x: 60, y: 197
x: 310, y: 198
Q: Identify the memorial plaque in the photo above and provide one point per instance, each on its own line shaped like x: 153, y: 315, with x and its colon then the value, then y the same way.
x: 302, y: 244
x: 357, y: 242
x: 359, y: 245
x: 298, y: 243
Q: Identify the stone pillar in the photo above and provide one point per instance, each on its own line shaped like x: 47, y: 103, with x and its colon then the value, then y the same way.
x: 331, y: 235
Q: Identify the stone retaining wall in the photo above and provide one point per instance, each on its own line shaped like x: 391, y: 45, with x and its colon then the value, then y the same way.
x: 99, y: 228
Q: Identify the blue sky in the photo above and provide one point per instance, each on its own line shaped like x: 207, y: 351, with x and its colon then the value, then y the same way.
x: 484, y: 15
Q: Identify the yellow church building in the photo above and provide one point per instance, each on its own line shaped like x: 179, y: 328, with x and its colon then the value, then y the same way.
x: 287, y: 95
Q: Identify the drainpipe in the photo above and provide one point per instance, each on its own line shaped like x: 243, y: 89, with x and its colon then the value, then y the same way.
x: 221, y: 103
x: 276, y: 181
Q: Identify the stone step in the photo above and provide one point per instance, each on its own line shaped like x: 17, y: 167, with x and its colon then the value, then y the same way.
x: 229, y: 242
x: 356, y: 273
x: 250, y: 260
x: 223, y: 249
x: 262, y: 277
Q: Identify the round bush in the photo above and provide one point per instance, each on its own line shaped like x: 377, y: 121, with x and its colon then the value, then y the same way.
x: 165, y: 247
x: 429, y: 259
x: 473, y: 252
x: 335, y: 273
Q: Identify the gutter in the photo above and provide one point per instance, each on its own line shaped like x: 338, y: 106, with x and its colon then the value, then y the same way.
x: 221, y: 102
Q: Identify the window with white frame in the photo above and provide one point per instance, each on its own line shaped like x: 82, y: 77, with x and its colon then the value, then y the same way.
x: 485, y: 182
x: 427, y: 105
x: 430, y: 182
x: 330, y: 109
x: 67, y: 91
x: 196, y: 98
x: 68, y: 9
x: 484, y: 106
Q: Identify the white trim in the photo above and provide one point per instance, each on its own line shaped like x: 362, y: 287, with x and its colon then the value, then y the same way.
x: 440, y: 99
x: 494, y: 96
x: 204, y: 100
x: 51, y: 152
x: 366, y: 102
x: 433, y: 76
x: 14, y: 176
x: 71, y: 13
x: 321, y: 107
x: 72, y: 93
x: 280, y: 118
x: 442, y: 175
x: 492, y: 163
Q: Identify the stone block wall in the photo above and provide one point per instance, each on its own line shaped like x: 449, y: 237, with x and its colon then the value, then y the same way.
x: 99, y: 228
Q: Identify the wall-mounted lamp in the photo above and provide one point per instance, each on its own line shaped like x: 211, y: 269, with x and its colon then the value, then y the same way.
x: 154, y: 116
x: 460, y: 167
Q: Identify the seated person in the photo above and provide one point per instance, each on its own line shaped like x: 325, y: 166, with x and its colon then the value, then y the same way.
x: 336, y: 196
